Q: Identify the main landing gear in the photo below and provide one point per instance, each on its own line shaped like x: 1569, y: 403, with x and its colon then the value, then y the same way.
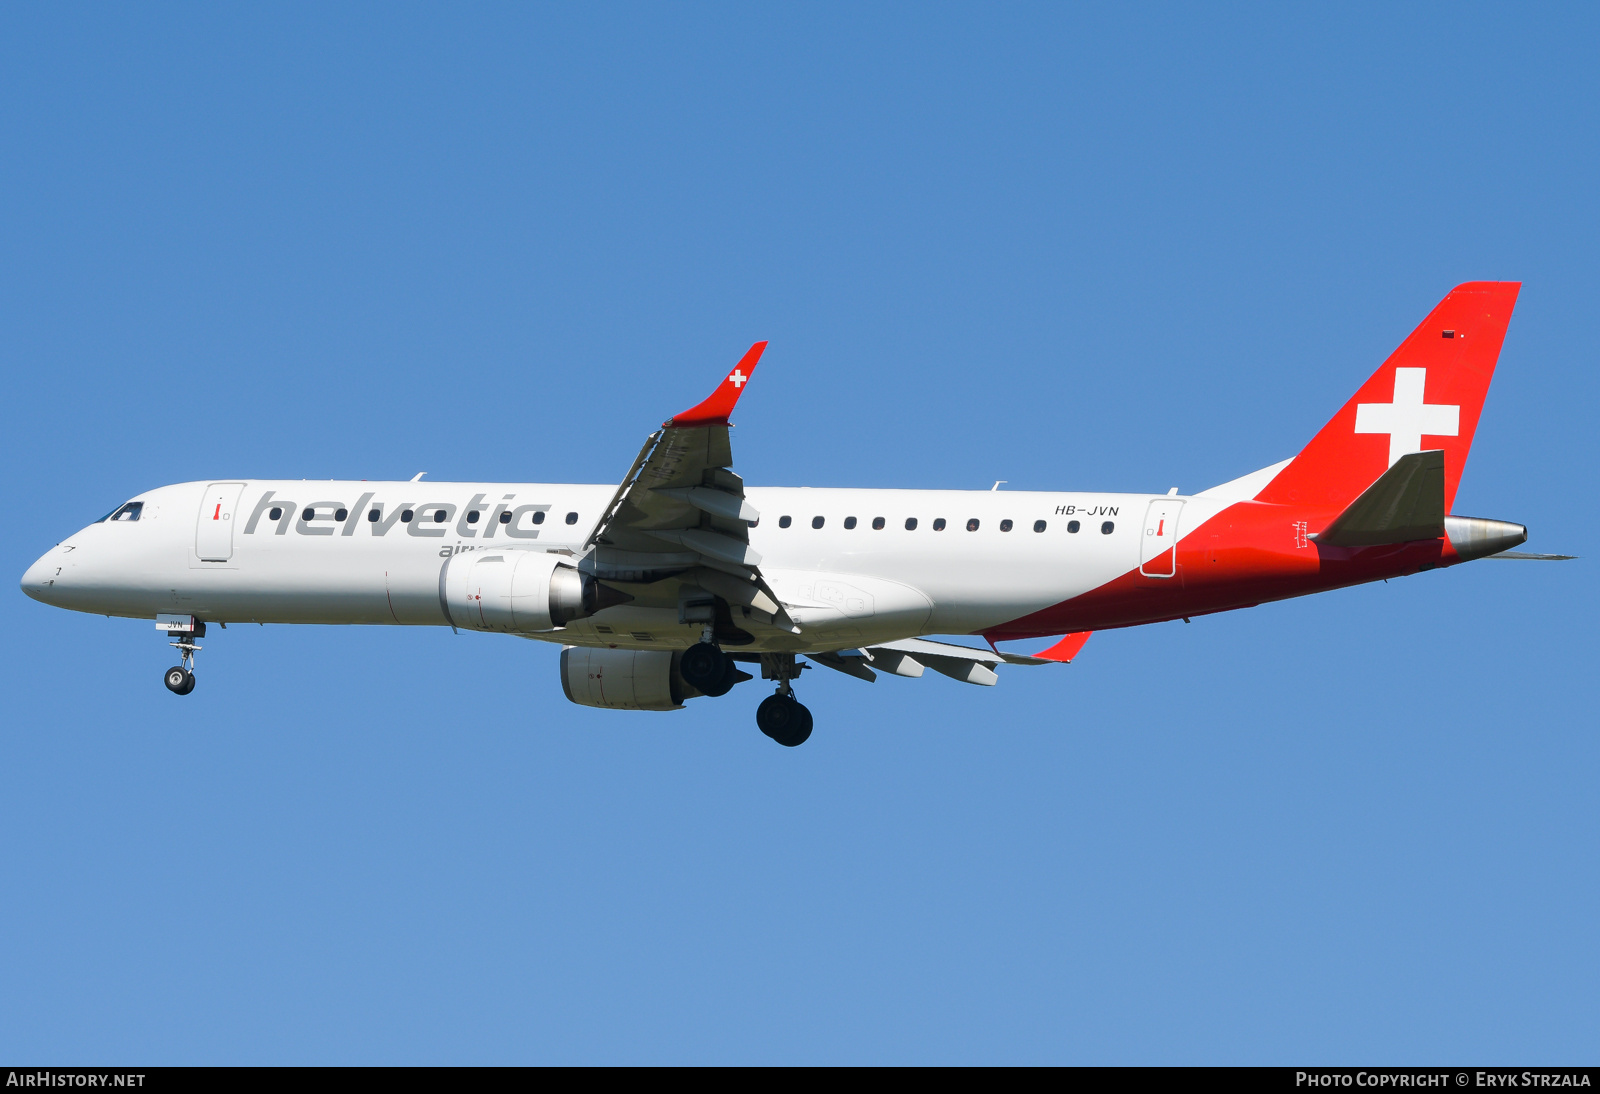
x: 180, y: 678
x: 710, y: 671
x: 781, y: 716
x: 785, y: 719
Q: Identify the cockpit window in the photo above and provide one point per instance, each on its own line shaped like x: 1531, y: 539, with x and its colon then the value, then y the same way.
x: 129, y: 511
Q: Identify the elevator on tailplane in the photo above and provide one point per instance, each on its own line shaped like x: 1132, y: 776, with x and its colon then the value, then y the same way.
x: 681, y: 581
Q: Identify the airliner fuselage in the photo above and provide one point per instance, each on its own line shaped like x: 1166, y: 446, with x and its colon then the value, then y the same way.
x: 665, y: 583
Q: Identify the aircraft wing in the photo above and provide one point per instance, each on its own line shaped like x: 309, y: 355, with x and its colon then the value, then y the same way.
x: 681, y: 511
x: 909, y: 656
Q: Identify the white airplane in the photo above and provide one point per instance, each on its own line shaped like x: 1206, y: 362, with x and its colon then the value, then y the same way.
x: 659, y: 589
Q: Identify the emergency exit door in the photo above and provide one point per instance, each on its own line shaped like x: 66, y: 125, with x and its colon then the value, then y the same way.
x: 1158, y: 547
x: 213, y: 532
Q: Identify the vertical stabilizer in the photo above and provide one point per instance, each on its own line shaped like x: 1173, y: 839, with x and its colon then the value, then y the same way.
x: 1427, y: 396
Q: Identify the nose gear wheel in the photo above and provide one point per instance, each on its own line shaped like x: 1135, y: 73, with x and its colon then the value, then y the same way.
x: 180, y: 678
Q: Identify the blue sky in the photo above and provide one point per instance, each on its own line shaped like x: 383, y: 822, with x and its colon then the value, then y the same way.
x: 1066, y: 247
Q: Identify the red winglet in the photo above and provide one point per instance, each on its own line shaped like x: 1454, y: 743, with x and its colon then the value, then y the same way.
x: 715, y: 410
x: 1066, y: 649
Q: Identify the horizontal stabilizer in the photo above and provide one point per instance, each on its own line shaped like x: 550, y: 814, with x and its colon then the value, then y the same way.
x: 1405, y: 504
x: 1529, y: 556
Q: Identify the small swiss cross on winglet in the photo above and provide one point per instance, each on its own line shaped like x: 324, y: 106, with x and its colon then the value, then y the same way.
x: 715, y: 410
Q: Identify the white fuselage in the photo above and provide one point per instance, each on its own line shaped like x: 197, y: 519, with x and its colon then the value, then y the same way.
x: 243, y: 551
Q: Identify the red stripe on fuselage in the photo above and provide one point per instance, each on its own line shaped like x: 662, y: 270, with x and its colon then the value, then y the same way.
x: 1249, y: 553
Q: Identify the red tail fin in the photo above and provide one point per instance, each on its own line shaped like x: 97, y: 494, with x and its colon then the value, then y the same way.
x: 1427, y: 395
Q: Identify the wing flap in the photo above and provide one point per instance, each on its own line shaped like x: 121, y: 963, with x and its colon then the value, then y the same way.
x: 719, y: 503
x: 711, y: 544
x: 849, y: 664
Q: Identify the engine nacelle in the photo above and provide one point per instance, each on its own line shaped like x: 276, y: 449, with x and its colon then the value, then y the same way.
x: 623, y: 679
x: 518, y: 591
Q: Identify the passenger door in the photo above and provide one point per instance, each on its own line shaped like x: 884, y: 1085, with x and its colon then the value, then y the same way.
x: 213, y: 531
x: 1158, y: 547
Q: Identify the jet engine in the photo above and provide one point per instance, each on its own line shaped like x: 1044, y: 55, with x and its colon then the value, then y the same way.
x: 623, y: 679
x: 517, y: 591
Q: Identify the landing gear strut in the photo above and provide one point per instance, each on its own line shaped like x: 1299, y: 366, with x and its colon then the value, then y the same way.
x: 180, y: 678
x: 781, y: 716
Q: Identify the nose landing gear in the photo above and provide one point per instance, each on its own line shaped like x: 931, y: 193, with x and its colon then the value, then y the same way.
x: 180, y: 678
x: 781, y: 716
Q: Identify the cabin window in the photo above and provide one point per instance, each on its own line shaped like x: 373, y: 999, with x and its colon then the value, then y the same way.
x: 277, y: 513
x: 1073, y: 526
x: 538, y: 516
x: 505, y: 518
x: 309, y: 514
x: 816, y: 522
x: 572, y: 518
x: 440, y: 516
x: 1107, y: 528
x: 1005, y: 526
x: 784, y: 522
x: 972, y: 525
x: 406, y: 515
x: 911, y: 524
x: 472, y: 516
x: 877, y: 524
x: 341, y: 514
x: 938, y: 524
x: 849, y: 522
x: 1038, y: 526
x: 754, y: 523
x: 375, y: 515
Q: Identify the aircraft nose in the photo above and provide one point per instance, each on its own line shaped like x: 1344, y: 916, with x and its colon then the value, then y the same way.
x: 39, y: 580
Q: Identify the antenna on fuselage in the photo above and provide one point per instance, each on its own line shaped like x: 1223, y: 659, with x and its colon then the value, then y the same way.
x: 418, y: 476
x: 996, y: 485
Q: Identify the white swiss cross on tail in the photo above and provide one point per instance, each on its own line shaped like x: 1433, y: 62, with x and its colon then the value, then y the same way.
x: 737, y: 378
x: 1408, y: 419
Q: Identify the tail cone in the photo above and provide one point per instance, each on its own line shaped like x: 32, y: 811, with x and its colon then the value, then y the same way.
x: 1479, y: 537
